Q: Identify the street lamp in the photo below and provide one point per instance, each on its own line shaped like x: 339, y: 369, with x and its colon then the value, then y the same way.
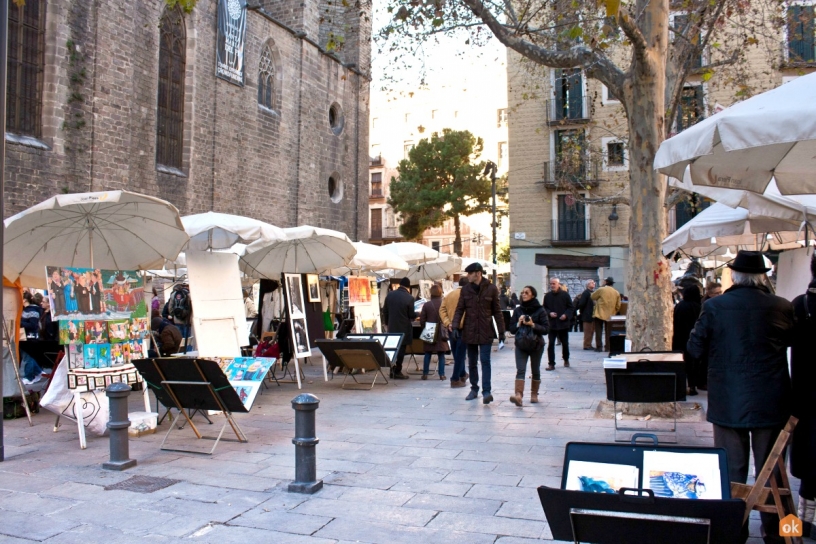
x: 613, y: 220
x: 490, y: 168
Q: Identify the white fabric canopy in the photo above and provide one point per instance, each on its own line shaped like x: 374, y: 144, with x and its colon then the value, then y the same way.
x: 769, y: 135
x: 370, y: 258
x: 116, y: 230
x: 412, y: 252
x: 438, y: 269
x: 306, y: 250
x: 213, y: 230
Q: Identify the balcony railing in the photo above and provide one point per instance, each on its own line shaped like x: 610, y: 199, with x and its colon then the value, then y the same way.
x: 377, y: 192
x: 584, y: 175
x: 569, y: 111
x: 385, y: 233
x: 376, y: 161
x: 570, y: 231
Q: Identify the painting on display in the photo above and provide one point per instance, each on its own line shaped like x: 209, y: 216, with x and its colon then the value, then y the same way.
x: 297, y: 317
x: 682, y: 475
x: 91, y: 293
x: 359, y: 290
x: 246, y: 375
x: 96, y: 332
x: 71, y: 332
x: 119, y: 331
x: 600, y: 477
x: 313, y: 287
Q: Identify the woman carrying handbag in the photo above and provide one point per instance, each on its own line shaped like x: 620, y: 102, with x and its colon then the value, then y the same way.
x: 529, y: 325
x: 430, y: 316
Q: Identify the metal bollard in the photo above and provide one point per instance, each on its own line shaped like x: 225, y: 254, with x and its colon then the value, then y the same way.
x: 118, y: 424
x: 305, y: 441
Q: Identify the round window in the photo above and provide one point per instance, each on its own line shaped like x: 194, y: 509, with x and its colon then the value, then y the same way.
x: 335, y: 188
x: 336, y: 120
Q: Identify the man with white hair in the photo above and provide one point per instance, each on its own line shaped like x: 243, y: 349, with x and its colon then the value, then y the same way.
x: 745, y: 333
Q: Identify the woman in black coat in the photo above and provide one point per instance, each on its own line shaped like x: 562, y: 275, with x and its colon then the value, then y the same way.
x: 803, y: 379
x: 430, y: 314
x: 529, y: 312
x: 685, y: 316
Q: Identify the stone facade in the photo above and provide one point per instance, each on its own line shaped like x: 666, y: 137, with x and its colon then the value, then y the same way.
x: 99, y: 114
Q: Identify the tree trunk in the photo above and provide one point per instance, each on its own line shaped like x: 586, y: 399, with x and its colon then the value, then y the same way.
x: 649, y: 313
x: 457, y: 241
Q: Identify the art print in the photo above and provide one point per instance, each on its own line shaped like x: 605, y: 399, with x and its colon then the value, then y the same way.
x: 72, y: 381
x: 71, y: 332
x: 82, y: 380
x: 247, y: 391
x: 76, y: 359
x: 89, y: 352
x: 119, y: 331
x: 92, y: 293
x: 682, y: 475
x: 600, y: 477
x: 103, y: 355
x: 313, y: 287
x: 117, y: 355
x: 249, y: 369
x: 139, y: 328
x: 359, y: 290
x: 294, y: 295
x: 300, y: 338
x: 92, y: 382
x: 96, y: 332
x: 108, y: 381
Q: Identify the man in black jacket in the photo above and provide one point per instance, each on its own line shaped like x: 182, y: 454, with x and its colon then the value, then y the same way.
x: 745, y: 333
x: 398, y: 314
x: 558, y: 305
x: 586, y: 306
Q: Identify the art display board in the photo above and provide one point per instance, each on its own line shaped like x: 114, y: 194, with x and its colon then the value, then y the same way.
x: 296, y: 305
x: 219, y: 314
x: 389, y: 341
x: 246, y: 375
x: 793, y: 272
x: 367, y: 318
x: 360, y: 354
x: 92, y: 293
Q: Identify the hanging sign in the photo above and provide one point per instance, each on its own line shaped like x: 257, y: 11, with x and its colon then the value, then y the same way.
x: 229, y: 55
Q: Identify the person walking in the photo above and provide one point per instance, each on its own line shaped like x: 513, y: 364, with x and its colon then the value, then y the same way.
x: 558, y: 306
x: 803, y: 380
x: 479, y: 307
x: 457, y: 346
x: 430, y: 314
x: 746, y: 332
x: 398, y: 314
x: 685, y: 316
x: 607, y: 303
x: 587, y: 306
x: 530, y: 313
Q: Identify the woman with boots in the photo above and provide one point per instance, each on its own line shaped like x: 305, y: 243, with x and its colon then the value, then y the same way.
x: 430, y: 314
x: 529, y: 313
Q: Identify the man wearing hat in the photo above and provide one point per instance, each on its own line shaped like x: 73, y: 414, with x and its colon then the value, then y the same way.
x: 398, y: 313
x: 607, y: 303
x: 745, y: 333
x: 479, y: 306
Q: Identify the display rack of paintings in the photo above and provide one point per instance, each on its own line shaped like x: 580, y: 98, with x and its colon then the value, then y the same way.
x: 246, y: 375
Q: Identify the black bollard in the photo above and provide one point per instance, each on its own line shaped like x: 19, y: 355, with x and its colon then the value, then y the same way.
x: 305, y: 441
x: 118, y: 425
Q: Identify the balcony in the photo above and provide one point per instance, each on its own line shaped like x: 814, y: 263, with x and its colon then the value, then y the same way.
x: 375, y: 161
x: 389, y: 234
x: 570, y: 232
x: 586, y: 175
x: 568, y: 111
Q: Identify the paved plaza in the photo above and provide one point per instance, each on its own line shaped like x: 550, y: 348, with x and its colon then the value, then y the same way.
x: 408, y: 462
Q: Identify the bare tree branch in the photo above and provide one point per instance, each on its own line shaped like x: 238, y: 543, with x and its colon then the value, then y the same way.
x: 674, y: 196
x: 633, y: 33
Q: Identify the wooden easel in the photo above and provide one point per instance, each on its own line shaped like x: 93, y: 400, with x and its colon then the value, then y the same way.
x: 756, y: 496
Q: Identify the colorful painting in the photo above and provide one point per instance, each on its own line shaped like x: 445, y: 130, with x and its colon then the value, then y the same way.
x: 359, y: 291
x: 139, y: 328
x: 252, y: 369
x: 119, y: 331
x: 117, y: 354
x: 71, y: 332
x: 600, y: 477
x: 83, y: 293
x: 89, y: 352
x: 103, y: 355
x: 96, y: 332
x: 682, y: 475
x: 76, y: 358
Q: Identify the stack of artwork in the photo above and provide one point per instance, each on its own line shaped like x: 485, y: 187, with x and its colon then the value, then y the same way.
x: 102, y: 344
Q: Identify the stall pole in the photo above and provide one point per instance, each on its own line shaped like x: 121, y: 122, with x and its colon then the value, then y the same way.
x: 305, y: 441
x: 118, y: 424
x: 3, y: 57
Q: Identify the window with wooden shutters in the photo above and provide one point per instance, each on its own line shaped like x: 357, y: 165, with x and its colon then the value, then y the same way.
x: 801, y: 34
x: 266, y: 80
x: 376, y: 184
x: 170, y: 102
x: 26, y: 42
x: 690, y: 108
x: 376, y: 224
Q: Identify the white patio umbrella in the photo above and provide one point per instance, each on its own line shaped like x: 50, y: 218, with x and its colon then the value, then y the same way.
x: 370, y: 258
x: 487, y: 265
x: 110, y: 229
x: 438, y: 269
x: 412, y: 252
x: 769, y: 135
x: 306, y: 250
x: 221, y: 231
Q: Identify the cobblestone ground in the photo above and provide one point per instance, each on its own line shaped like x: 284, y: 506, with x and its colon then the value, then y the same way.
x: 407, y: 462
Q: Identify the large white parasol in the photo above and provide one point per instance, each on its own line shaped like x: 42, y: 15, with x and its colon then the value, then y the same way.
x: 112, y: 229
x: 438, y: 269
x: 769, y: 135
x: 306, y: 250
x: 221, y: 231
x: 370, y: 258
x: 412, y: 252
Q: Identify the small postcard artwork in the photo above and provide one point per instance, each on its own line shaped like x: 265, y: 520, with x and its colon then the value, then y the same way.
x: 682, y: 475
x: 359, y: 291
x: 82, y: 380
x: 83, y: 293
x: 117, y: 378
x: 96, y: 332
x: 71, y: 332
x: 313, y: 287
x: 103, y: 355
x: 119, y: 331
x: 92, y: 382
x: 108, y: 381
x: 600, y: 477
x: 139, y: 328
x: 76, y: 358
x: 72, y: 381
x: 90, y: 354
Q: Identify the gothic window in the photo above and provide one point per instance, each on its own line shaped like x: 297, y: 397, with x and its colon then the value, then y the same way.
x: 266, y: 79
x: 170, y: 102
x: 26, y: 33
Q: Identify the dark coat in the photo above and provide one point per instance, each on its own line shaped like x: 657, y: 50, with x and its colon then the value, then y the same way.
x: 803, y: 378
x: 586, y: 305
x: 398, y: 313
x: 30, y: 319
x: 686, y: 313
x: 535, y: 310
x: 430, y: 314
x: 560, y: 303
x: 745, y: 332
x: 169, y: 338
x: 480, y: 306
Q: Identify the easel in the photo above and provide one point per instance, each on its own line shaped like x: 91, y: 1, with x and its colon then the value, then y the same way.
x: 756, y: 496
x: 13, y: 352
x: 196, y: 384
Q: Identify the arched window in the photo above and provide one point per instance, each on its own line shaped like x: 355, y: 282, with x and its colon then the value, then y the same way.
x: 266, y: 79
x: 170, y: 102
x: 26, y: 42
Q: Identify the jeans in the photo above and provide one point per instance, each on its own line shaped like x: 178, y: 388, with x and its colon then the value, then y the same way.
x: 563, y: 336
x: 482, y: 353
x: 458, y: 349
x: 426, y: 364
x: 185, y: 335
x: 535, y: 363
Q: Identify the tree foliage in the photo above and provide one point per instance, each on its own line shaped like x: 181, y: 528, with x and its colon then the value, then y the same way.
x: 441, y: 179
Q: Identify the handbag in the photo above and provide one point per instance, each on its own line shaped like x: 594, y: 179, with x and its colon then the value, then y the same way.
x: 430, y: 333
x: 527, y: 339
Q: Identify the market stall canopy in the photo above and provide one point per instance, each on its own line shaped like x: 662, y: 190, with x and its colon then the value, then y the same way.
x: 438, y: 269
x: 221, y: 231
x: 487, y: 265
x: 412, y: 252
x: 116, y: 230
x: 769, y: 135
x: 722, y: 226
x: 370, y: 258
x: 305, y: 250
